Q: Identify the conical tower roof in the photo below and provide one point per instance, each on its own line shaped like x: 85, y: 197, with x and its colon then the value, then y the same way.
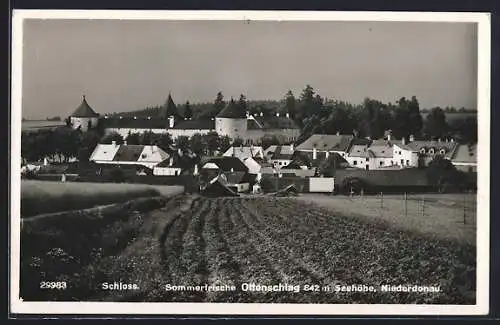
x: 84, y: 110
x: 233, y: 110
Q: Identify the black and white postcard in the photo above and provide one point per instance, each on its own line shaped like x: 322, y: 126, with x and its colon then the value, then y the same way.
x: 278, y: 163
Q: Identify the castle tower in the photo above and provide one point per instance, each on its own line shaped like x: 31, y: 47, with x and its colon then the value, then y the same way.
x: 232, y: 121
x: 84, y: 117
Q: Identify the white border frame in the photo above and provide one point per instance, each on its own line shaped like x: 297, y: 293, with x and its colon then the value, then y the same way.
x: 109, y: 308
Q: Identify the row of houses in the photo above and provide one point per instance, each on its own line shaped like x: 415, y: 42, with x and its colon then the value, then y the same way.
x: 340, y: 151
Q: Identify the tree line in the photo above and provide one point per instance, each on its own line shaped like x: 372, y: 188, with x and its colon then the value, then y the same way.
x: 371, y: 118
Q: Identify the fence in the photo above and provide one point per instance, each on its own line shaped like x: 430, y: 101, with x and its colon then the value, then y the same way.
x: 461, y: 207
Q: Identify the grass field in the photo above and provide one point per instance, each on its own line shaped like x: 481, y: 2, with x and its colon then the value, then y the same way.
x: 440, y: 215
x: 193, y: 240
x: 39, y: 197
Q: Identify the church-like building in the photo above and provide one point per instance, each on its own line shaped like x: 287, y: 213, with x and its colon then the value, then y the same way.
x: 232, y: 121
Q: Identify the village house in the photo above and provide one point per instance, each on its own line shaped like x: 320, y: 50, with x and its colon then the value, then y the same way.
x: 279, y: 156
x: 420, y: 153
x: 115, y: 154
x: 244, y: 152
x: 329, y: 143
x: 175, y: 165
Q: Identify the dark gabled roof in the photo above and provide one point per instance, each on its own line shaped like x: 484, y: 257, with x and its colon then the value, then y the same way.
x: 128, y: 153
x: 276, y: 122
x: 84, y: 110
x: 201, y: 124
x: 233, y: 110
x: 280, y: 152
x: 131, y: 123
x: 227, y: 163
x: 217, y: 187
x: 328, y: 142
x: 182, y: 162
x: 252, y: 125
x: 234, y: 177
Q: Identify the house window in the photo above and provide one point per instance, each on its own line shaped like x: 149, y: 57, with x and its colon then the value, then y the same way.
x: 402, y: 162
x: 355, y: 162
x: 381, y: 163
x: 367, y: 159
x: 400, y: 152
x: 407, y: 163
x: 442, y: 151
x: 422, y: 151
x: 431, y: 151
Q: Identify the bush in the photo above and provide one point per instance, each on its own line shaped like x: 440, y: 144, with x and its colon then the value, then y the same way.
x: 117, y: 175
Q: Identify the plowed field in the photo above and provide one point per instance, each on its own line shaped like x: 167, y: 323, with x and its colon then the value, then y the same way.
x: 263, y: 241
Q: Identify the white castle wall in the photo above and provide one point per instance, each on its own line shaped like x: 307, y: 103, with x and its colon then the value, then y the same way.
x: 82, y: 122
x: 234, y: 128
x: 174, y: 133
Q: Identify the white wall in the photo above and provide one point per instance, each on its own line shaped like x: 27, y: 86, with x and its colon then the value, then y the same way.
x: 321, y: 184
x: 174, y: 133
x: 280, y: 163
x: 143, y: 163
x: 234, y: 128
x: 404, y: 158
x: 82, y: 122
x: 166, y: 171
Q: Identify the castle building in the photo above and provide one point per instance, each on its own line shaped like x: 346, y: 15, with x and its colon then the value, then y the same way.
x: 232, y: 121
x: 84, y: 117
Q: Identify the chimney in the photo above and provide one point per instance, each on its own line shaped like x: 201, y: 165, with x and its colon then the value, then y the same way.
x: 277, y: 114
x: 412, y: 138
x: 232, y: 170
x: 327, y: 154
x: 451, y: 140
x: 261, y: 114
x: 288, y: 115
x: 338, y: 132
x: 125, y: 142
x: 389, y: 137
x: 171, y: 161
x: 179, y: 152
x: 171, y: 121
x: 113, y: 142
x: 291, y: 147
x: 315, y: 154
x: 403, y: 140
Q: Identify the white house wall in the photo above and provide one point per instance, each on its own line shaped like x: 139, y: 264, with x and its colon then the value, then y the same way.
x: 150, y: 165
x: 404, y: 158
x: 166, y: 171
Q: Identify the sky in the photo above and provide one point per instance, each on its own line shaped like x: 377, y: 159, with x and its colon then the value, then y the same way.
x: 125, y: 65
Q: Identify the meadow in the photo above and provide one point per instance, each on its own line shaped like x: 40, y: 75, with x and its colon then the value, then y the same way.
x: 445, y: 216
x: 41, y: 197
